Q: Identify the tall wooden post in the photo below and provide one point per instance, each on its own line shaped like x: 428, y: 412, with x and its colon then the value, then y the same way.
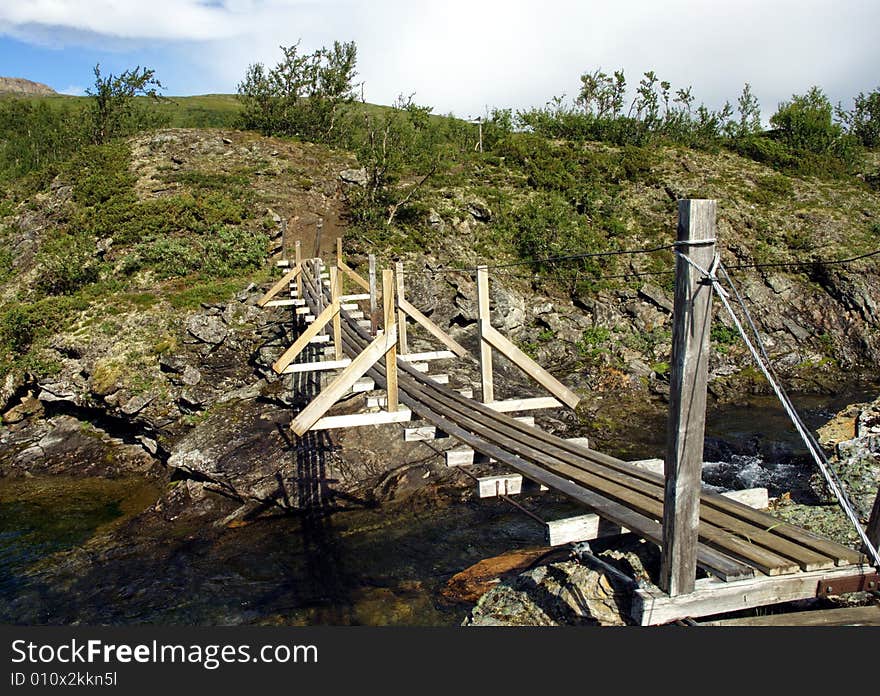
x: 299, y: 258
x: 483, y: 322
x: 338, y: 251
x: 318, y: 265
x: 687, y: 405
x: 401, y: 315
x: 374, y: 304
x: 391, y: 355
x: 335, y: 292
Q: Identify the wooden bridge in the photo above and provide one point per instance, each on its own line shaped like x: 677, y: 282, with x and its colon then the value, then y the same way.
x: 749, y: 557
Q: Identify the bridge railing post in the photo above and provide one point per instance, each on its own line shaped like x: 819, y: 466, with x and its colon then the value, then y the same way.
x: 389, y: 325
x: 335, y: 294
x: 374, y: 304
x: 299, y: 258
x: 687, y: 404
x: 401, y: 315
x: 483, y: 324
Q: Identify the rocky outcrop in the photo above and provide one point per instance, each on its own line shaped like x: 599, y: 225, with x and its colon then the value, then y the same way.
x: 19, y: 85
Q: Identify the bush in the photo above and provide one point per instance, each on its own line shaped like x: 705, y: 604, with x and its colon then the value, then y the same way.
x: 67, y: 262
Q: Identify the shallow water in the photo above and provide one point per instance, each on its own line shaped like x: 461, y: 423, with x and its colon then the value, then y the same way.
x: 372, y: 567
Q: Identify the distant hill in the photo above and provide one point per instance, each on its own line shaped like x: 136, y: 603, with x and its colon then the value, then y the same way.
x: 18, y: 85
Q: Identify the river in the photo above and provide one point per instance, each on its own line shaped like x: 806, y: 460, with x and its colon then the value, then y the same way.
x: 361, y: 567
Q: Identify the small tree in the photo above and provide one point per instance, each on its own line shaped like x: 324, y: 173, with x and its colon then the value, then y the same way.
x: 863, y: 122
x: 749, y: 113
x: 114, y: 111
x: 805, y: 122
x: 303, y: 95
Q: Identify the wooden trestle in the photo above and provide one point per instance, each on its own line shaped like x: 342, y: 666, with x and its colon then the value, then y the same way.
x: 750, y: 557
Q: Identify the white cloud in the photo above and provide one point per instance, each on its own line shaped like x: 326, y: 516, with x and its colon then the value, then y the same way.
x: 463, y: 55
x: 73, y: 90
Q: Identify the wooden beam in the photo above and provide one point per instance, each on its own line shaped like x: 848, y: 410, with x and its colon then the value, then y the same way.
x: 355, y: 298
x: 712, y: 596
x: 483, y: 323
x: 390, y: 326
x: 335, y: 292
x: 298, y: 256
x: 292, y: 302
x: 280, y: 285
x: 401, y: 315
x: 374, y: 304
x: 354, y: 276
x: 428, y: 355
x: 842, y: 616
x: 530, y: 367
x: 319, y: 366
x: 343, y: 382
x: 494, y: 486
x: 432, y: 328
x: 529, y: 404
x: 356, y: 420
x: 339, y: 250
x: 304, y: 339
x: 687, y: 405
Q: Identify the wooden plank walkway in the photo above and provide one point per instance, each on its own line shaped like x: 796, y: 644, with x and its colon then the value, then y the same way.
x: 752, y: 558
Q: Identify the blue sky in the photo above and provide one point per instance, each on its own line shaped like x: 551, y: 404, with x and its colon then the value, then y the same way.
x: 459, y: 56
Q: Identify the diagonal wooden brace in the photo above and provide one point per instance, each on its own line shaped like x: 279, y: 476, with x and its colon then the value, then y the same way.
x: 299, y: 345
x: 431, y: 327
x: 338, y: 387
x: 292, y: 274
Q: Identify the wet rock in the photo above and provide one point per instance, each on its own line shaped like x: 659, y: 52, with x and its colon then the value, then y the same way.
x: 243, y: 449
x: 207, y: 329
x: 26, y: 408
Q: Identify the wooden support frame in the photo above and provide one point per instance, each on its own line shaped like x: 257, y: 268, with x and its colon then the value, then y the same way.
x: 873, y: 529
x: 401, y: 315
x: 284, y: 283
x: 298, y: 257
x: 304, y: 339
x: 438, y: 333
x: 374, y: 304
x: 390, y: 326
x: 483, y: 322
x: 491, y: 338
x: 692, y: 317
x: 310, y: 415
x: 335, y: 293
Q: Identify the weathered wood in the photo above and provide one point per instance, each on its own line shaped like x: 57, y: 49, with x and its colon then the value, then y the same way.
x: 483, y: 324
x: 304, y: 339
x: 335, y: 292
x: 427, y: 355
x: 374, y: 305
x: 529, y: 404
x: 529, y: 366
x: 292, y: 274
x: 687, y: 407
x: 494, y: 486
x: 345, y: 268
x: 712, y: 596
x: 403, y: 346
x: 355, y: 298
x: 292, y: 302
x: 390, y: 326
x: 357, y: 420
x: 338, y: 250
x: 432, y: 328
x: 319, y: 366
x: 298, y: 257
x: 343, y: 382
x: 578, y: 528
